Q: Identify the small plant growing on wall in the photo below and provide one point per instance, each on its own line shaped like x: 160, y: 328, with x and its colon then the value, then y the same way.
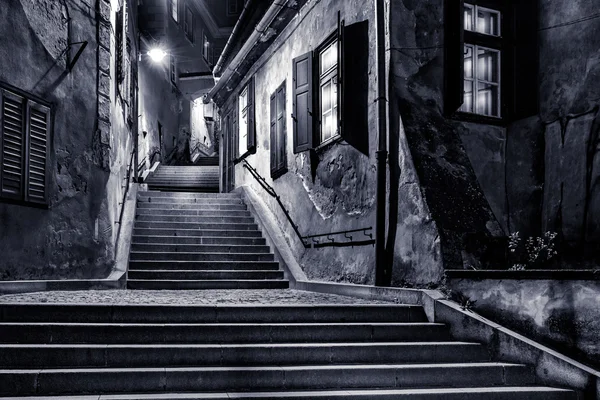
x: 532, y: 253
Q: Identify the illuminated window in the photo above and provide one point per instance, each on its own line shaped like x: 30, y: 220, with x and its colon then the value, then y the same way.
x: 482, y: 61
x: 174, y: 5
x: 328, y: 91
x: 243, y: 122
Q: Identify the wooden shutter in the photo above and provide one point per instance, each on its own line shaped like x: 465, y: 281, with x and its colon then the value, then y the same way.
x: 37, y: 153
x: 273, y: 133
x: 525, y: 56
x: 354, y: 70
x: 302, y: 87
x: 454, y: 55
x: 119, y: 46
x: 281, y: 131
x: 12, y: 145
x: 251, y: 118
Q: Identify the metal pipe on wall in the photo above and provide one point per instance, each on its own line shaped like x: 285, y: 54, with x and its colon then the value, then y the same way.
x: 382, y: 271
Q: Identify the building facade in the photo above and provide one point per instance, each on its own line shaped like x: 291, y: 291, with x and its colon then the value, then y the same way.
x: 67, y: 135
x: 492, y: 123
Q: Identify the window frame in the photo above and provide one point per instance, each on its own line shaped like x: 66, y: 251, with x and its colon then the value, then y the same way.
x: 250, y: 109
x: 30, y: 101
x: 206, y: 45
x: 332, y: 74
x: 188, y: 26
x: 278, y: 171
x: 479, y: 40
x: 174, y: 10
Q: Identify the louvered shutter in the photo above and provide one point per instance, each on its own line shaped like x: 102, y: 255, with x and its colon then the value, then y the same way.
x: 251, y: 118
x: 281, y: 131
x: 119, y: 46
x: 302, y: 87
x: 37, y: 153
x: 355, y: 85
x: 273, y: 132
x: 12, y: 145
x: 454, y: 55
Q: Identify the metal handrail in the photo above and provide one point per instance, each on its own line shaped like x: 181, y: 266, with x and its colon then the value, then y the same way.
x: 331, y: 242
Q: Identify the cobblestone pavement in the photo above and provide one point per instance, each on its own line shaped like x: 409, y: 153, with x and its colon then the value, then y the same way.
x: 187, y: 297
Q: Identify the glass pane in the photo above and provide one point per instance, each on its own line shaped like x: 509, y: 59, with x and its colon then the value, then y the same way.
x: 327, y: 125
x: 326, y: 97
x: 329, y: 57
x: 468, y: 97
x: 469, y: 61
x: 488, y: 21
x: 244, y: 100
x: 487, y: 100
x: 469, y: 17
x: 488, y: 65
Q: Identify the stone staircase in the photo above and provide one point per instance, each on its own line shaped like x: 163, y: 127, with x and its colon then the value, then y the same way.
x: 267, y: 351
x: 186, y: 240
x: 201, y: 178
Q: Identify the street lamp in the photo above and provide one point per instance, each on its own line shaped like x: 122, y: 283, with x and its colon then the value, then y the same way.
x: 157, y: 54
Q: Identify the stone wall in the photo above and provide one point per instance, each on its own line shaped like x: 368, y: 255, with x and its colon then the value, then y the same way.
x: 75, y: 236
x: 448, y: 181
x: 560, y: 313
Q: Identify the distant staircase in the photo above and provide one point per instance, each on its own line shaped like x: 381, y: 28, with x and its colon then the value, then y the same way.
x: 199, y: 241
x: 195, y: 178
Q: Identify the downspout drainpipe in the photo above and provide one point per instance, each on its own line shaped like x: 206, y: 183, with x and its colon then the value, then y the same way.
x: 382, y: 270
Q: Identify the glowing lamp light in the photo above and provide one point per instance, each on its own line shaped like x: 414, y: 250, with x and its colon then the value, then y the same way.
x: 157, y: 54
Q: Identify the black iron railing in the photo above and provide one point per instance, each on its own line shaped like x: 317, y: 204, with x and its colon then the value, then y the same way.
x: 315, y: 241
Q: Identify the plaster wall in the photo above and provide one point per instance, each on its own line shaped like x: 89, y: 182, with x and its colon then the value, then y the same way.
x: 341, y: 193
x: 562, y: 314
x: 569, y: 101
x: 74, y: 237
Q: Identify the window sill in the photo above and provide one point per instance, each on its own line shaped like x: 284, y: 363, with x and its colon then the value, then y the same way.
x: 279, y: 173
x: 322, y: 147
x: 244, y: 156
x: 478, y: 118
x: 529, y: 274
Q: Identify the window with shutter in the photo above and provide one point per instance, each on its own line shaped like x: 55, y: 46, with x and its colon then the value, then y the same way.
x: 37, y: 150
x: 246, y: 118
x: 24, y: 132
x: 302, y: 95
x: 188, y: 24
x: 13, y: 144
x: 278, y: 133
x: 119, y: 47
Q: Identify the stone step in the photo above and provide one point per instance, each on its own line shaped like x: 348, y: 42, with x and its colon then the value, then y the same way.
x: 205, y: 256
x: 474, y: 393
x: 143, y: 198
x: 191, y: 206
x: 264, y: 313
x: 119, y: 332
x: 196, y: 225
x: 188, y: 188
x: 213, y: 284
x: 185, y: 379
x: 193, y: 212
x: 207, y: 176
x: 201, y: 275
x: 170, y: 265
x: 156, y: 231
x: 201, y: 240
x: 173, y: 355
x: 154, y: 193
x: 195, y: 219
x: 167, y: 181
x: 198, y: 248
